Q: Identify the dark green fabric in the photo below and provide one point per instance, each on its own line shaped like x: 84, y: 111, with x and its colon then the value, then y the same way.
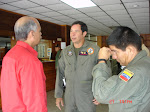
x: 56, y: 59
x: 76, y: 50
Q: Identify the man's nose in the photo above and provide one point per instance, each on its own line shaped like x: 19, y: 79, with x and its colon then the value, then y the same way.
x: 114, y: 56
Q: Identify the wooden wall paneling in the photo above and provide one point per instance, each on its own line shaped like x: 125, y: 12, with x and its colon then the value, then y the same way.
x: 99, y: 41
x: 147, y: 43
x: 6, y: 33
x: 13, y: 41
x: 7, y: 20
x: 146, y: 40
x: 104, y: 43
x: 68, y: 35
x: 50, y: 31
x: 2, y: 53
x: 65, y: 34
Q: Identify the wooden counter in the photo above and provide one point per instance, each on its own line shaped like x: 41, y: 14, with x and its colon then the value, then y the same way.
x: 50, y: 73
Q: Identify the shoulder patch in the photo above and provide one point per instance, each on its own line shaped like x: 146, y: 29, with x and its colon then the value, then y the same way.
x: 90, y: 50
x: 126, y: 75
x: 70, y: 53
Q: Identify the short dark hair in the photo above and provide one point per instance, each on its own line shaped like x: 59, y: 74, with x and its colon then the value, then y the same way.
x: 82, y: 24
x: 123, y: 36
x: 57, y: 45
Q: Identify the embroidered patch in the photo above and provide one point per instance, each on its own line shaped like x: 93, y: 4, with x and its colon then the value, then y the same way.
x: 126, y: 75
x: 69, y: 53
x: 90, y: 51
x: 84, y: 53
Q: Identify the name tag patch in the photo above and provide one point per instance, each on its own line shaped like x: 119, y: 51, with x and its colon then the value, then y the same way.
x: 83, y: 53
x: 126, y: 75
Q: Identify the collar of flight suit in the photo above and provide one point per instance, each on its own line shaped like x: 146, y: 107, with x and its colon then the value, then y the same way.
x: 140, y: 55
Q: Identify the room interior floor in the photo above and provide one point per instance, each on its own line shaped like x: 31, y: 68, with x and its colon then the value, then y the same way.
x: 52, y: 107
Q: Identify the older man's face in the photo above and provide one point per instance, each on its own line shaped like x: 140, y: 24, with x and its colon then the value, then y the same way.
x: 38, y: 34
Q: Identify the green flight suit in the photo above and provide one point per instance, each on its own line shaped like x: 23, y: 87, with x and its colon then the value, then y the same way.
x: 77, y: 71
x: 56, y: 59
x: 132, y: 95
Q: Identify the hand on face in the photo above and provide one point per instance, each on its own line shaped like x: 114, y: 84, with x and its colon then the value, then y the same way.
x: 104, y: 53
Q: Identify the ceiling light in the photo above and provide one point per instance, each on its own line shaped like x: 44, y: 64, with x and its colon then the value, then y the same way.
x: 79, y: 3
x: 135, y: 5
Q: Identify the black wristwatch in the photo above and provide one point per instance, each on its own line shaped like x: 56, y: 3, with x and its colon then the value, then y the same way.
x: 101, y: 60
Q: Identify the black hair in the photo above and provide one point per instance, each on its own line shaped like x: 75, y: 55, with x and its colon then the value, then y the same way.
x: 57, y: 45
x: 82, y: 24
x: 123, y: 36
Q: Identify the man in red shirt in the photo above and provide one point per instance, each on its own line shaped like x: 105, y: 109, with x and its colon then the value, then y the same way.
x: 23, y: 86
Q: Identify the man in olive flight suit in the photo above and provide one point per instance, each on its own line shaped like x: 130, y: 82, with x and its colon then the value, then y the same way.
x: 75, y: 65
x: 58, y: 50
x: 130, y: 90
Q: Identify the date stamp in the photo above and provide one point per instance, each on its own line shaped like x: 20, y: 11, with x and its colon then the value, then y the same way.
x: 120, y: 101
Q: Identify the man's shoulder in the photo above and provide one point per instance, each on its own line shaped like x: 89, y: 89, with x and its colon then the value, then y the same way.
x: 13, y: 52
x: 18, y: 53
x: 93, y: 45
x: 67, y: 48
x: 141, y: 66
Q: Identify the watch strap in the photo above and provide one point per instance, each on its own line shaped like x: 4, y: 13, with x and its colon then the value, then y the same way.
x: 101, y: 60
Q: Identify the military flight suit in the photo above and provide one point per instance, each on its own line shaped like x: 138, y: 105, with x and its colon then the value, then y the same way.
x: 56, y: 59
x: 77, y: 71
x: 127, y: 92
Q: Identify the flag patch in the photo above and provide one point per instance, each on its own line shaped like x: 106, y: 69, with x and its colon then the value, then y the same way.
x: 126, y: 75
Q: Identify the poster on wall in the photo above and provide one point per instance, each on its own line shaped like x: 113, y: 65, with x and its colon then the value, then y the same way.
x: 49, y: 51
x: 41, y: 50
x: 63, y: 45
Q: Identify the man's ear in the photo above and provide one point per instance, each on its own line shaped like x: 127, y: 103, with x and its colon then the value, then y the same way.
x: 130, y: 49
x: 31, y: 34
x: 84, y: 33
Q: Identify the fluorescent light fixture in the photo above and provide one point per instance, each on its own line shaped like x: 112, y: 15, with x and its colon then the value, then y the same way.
x: 135, y: 6
x: 79, y: 3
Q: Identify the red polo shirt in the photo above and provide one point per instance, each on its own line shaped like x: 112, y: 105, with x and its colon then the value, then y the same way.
x: 23, y: 86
